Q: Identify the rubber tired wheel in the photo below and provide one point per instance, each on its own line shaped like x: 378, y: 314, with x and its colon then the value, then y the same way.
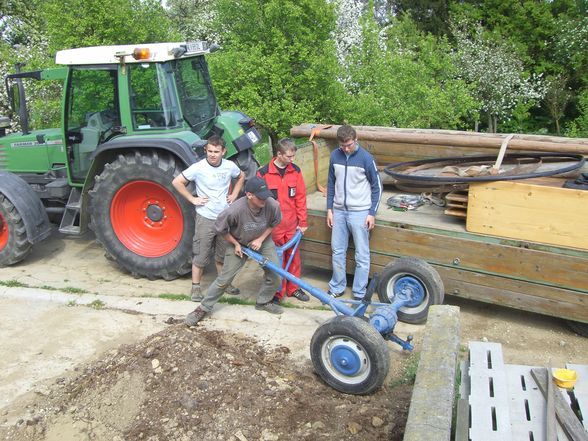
x: 578, y: 327
x: 420, y: 278
x: 142, y: 223
x: 14, y: 244
x: 350, y: 355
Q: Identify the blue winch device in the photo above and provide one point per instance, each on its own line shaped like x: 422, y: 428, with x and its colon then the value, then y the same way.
x: 349, y: 351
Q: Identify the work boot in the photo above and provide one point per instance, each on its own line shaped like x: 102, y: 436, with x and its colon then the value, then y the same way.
x: 301, y: 295
x: 195, y: 316
x: 335, y: 295
x: 196, y: 294
x: 232, y: 290
x: 270, y: 307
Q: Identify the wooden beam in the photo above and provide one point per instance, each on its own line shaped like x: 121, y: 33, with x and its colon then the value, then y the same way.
x: 565, y: 416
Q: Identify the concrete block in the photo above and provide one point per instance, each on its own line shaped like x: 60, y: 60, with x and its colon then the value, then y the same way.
x: 431, y: 407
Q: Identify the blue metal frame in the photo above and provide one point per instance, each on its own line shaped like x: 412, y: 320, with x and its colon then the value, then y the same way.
x: 383, y: 319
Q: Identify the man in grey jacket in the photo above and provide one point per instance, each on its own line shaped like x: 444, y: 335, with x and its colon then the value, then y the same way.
x: 354, y: 189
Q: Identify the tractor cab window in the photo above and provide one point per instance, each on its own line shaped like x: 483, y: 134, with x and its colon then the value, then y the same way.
x: 195, y: 92
x: 92, y: 115
x: 153, y: 102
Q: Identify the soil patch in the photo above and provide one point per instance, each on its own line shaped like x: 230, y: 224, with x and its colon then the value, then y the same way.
x: 198, y: 384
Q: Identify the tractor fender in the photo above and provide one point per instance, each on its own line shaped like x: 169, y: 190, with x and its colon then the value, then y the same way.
x: 28, y: 205
x: 179, y: 148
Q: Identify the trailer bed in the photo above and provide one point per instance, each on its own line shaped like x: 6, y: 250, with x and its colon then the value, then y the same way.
x: 531, y: 276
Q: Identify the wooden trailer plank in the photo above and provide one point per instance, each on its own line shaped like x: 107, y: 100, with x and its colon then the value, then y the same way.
x: 518, y: 263
x: 581, y: 390
x: 564, y: 413
x: 525, y: 296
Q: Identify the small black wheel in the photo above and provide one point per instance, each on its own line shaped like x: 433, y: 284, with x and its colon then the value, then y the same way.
x: 420, y: 278
x: 14, y: 244
x: 350, y: 355
x: 578, y: 327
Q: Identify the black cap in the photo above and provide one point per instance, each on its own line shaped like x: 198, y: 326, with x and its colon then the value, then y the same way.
x: 258, y: 187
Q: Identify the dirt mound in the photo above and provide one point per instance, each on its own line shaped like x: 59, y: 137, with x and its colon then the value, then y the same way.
x: 196, y: 384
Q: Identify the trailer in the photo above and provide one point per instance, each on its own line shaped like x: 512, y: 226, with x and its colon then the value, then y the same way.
x: 530, y: 275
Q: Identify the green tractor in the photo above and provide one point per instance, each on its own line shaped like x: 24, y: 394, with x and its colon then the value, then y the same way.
x: 133, y: 117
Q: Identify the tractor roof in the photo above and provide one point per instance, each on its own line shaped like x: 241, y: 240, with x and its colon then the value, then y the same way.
x: 157, y: 52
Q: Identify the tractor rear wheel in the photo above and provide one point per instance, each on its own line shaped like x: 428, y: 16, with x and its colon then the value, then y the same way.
x: 350, y: 355
x: 14, y: 244
x: 137, y: 216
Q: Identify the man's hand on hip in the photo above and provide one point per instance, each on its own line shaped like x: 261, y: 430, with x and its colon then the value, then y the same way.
x: 370, y: 222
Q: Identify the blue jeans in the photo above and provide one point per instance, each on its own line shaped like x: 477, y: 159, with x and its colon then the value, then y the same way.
x: 344, y: 223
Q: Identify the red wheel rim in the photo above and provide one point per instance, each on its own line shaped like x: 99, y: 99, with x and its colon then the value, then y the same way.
x: 3, y: 232
x: 146, y: 218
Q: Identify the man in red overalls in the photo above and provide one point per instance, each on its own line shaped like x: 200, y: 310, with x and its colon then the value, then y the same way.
x: 284, y: 180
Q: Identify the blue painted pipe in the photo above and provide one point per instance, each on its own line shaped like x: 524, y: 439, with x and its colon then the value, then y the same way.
x: 383, y: 319
x: 337, y: 306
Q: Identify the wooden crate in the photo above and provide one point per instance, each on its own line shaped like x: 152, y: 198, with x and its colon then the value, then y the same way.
x: 523, y: 211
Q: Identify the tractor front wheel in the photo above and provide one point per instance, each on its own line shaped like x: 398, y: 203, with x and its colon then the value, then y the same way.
x: 137, y: 216
x: 14, y: 244
x: 350, y: 355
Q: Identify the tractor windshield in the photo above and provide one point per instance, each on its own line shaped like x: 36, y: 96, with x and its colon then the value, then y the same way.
x: 195, y: 92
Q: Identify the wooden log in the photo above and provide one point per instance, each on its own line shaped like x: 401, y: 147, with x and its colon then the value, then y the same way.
x: 456, y: 138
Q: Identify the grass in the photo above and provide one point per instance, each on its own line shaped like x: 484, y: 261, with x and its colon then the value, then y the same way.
x: 97, y: 304
x: 72, y: 290
x: 174, y: 297
x: 72, y: 303
x: 409, y: 373
x: 13, y: 284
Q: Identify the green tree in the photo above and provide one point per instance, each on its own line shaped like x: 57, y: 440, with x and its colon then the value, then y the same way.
x: 278, y: 63
x: 401, y: 77
x: 81, y: 23
x: 194, y: 19
x: 498, y: 75
x: 579, y: 126
x: 430, y: 16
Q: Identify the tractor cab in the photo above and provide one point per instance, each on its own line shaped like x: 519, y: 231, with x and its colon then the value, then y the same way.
x: 143, y: 90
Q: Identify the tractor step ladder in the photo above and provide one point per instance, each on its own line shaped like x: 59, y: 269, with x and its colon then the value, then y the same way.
x: 70, y: 222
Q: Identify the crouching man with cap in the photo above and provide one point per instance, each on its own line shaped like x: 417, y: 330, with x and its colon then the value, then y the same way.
x: 248, y: 221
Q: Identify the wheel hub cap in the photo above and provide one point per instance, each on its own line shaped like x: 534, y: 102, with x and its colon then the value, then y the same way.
x: 410, y: 289
x: 147, y: 218
x: 155, y: 213
x: 345, y: 360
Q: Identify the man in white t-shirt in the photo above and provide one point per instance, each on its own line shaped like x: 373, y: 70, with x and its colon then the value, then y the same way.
x: 212, y: 177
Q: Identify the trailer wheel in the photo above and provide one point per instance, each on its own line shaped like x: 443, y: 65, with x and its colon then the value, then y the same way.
x: 142, y: 223
x: 14, y: 244
x: 419, y: 277
x: 578, y: 327
x: 350, y: 355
